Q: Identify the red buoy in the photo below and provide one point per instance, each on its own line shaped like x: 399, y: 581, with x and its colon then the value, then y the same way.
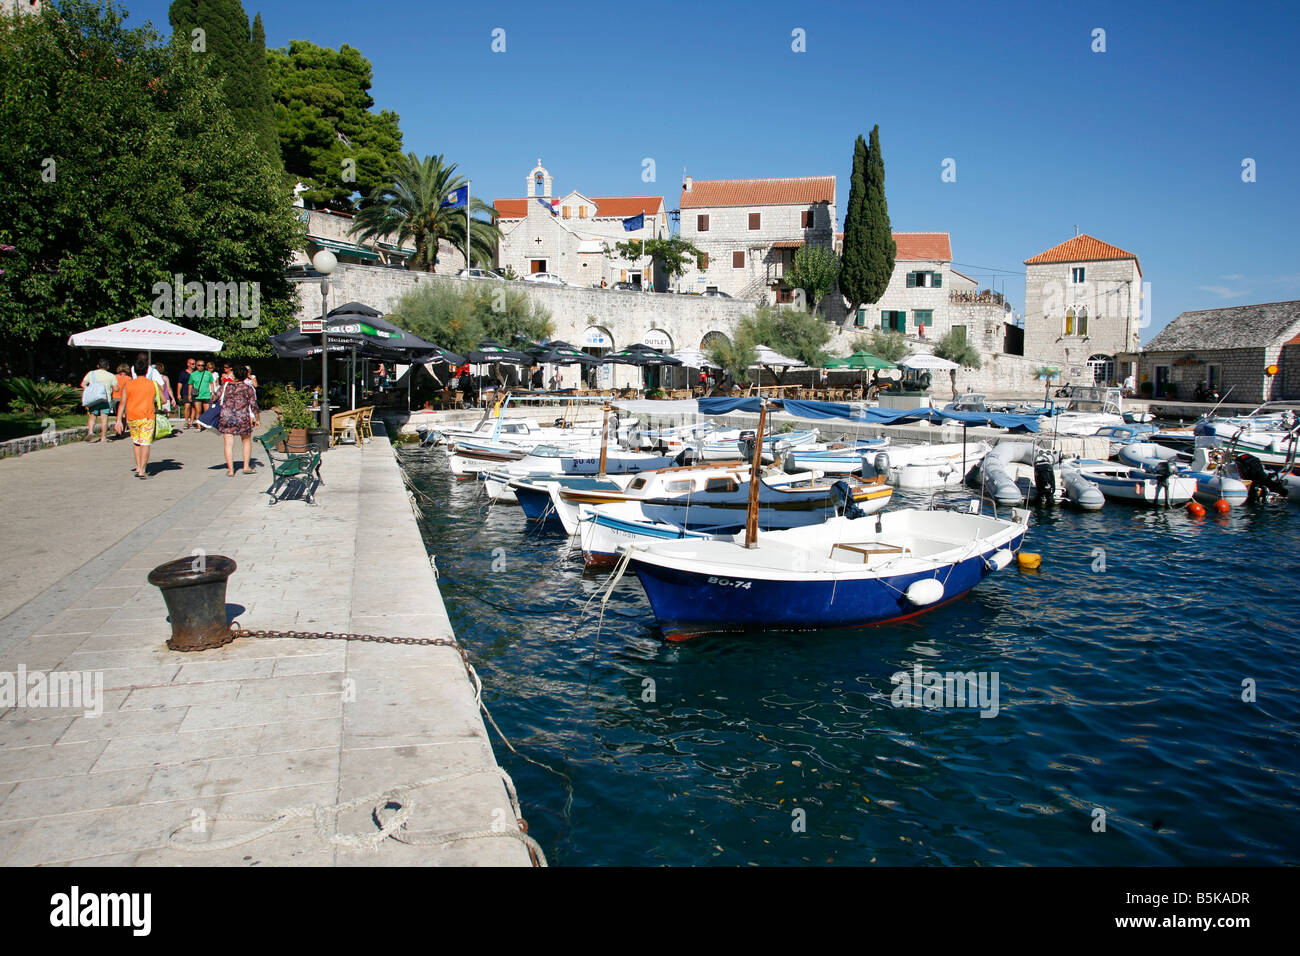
x: 1196, y: 509
x: 1222, y: 507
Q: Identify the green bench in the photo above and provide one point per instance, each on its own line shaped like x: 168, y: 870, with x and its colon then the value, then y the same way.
x: 291, y: 464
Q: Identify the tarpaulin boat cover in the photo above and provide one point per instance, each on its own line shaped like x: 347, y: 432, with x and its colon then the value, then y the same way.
x: 872, y: 416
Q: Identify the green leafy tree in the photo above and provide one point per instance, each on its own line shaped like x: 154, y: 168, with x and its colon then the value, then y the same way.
x: 411, y: 208
x: 955, y: 348
x: 867, y: 257
x: 670, y: 256
x: 125, y: 168
x: 814, y: 271
x: 734, y: 356
x: 330, y: 139
x: 890, y: 346
x: 458, y: 318
x: 792, y: 333
x: 236, y: 54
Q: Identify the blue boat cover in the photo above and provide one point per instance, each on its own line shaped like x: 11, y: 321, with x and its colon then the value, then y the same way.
x: 872, y: 416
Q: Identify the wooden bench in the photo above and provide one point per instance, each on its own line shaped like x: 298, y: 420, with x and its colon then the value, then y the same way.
x: 867, y: 549
x: 290, y: 464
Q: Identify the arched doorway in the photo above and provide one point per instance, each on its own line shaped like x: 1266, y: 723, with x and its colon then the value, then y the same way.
x: 658, y: 376
x: 598, y: 341
x: 1103, y: 369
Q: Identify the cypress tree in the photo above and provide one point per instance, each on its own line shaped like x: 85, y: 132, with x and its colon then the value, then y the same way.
x: 880, y: 247
x: 854, y: 281
x: 268, y: 132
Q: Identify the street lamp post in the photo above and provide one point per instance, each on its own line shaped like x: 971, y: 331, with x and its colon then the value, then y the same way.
x: 324, y: 263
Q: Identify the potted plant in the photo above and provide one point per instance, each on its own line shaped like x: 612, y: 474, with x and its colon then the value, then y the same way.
x: 296, y: 416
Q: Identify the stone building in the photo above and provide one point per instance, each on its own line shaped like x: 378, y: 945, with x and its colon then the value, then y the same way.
x: 15, y: 7
x: 915, y: 302
x: 574, y: 236
x: 1230, y: 350
x: 329, y: 230
x: 1083, y: 306
x: 748, y: 230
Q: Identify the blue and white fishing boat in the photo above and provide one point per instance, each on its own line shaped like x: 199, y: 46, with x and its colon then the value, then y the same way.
x: 839, y: 458
x: 725, y: 446
x: 846, y: 572
x: 601, y: 531
x: 537, y: 498
x: 552, y: 461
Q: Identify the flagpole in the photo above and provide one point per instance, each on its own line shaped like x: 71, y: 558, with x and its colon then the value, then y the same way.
x: 467, y: 262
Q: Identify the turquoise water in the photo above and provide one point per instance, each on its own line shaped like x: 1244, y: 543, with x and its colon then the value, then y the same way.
x: 1120, y: 688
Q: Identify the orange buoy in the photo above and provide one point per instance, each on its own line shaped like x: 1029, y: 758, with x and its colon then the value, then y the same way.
x: 1196, y: 509
x: 1222, y: 507
x: 1028, y: 560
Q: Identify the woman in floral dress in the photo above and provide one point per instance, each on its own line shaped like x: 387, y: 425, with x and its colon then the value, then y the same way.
x: 239, y: 413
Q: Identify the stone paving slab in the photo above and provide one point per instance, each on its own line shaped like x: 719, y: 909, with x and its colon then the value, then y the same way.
x: 259, y: 725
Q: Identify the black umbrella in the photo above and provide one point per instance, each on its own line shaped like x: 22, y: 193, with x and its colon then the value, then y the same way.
x: 642, y: 355
x: 490, y: 350
x: 562, y: 353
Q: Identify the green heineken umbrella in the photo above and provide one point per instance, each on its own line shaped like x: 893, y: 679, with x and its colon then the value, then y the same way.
x: 860, y: 360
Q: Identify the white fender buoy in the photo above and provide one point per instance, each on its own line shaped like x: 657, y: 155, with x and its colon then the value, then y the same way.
x: 924, y: 592
x: 1000, y: 558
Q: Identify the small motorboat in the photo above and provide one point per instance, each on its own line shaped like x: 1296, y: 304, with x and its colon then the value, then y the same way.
x: 1020, y: 472
x: 1120, y: 435
x: 1121, y: 482
x: 552, y: 460
x: 837, y: 458
x: 924, y: 467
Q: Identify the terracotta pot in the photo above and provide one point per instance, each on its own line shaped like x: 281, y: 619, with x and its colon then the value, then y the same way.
x: 297, y: 439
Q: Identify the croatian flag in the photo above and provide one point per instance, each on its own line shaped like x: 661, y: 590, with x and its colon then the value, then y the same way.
x: 457, y: 199
x: 634, y: 223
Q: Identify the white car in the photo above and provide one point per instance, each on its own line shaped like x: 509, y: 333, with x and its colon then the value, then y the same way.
x: 544, y: 278
x: 477, y: 273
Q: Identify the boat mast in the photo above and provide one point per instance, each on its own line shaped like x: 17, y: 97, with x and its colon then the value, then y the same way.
x: 604, y: 441
x: 751, y: 513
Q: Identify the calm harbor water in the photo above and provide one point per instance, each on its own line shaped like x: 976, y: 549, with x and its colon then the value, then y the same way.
x: 1120, y: 677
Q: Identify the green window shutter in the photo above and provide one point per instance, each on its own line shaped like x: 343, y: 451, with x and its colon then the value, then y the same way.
x: 911, y: 280
x: 938, y: 280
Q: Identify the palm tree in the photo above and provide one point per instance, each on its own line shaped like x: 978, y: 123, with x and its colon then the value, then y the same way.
x: 411, y: 207
x: 955, y: 348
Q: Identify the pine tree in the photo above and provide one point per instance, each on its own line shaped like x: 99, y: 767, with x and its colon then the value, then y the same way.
x: 880, y: 247
x: 854, y: 284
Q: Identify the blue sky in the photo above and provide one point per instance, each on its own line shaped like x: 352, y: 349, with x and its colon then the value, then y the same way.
x: 1140, y: 146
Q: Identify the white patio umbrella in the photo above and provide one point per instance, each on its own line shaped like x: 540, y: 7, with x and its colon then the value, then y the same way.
x: 691, y: 358
x: 146, y: 334
x: 927, y: 361
x: 767, y: 356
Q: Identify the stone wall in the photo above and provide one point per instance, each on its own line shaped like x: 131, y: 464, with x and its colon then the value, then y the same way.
x: 1241, y: 370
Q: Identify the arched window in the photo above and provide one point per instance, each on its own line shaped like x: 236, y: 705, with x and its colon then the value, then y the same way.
x: 1076, y: 320
x: 1103, y: 368
x: 711, y: 337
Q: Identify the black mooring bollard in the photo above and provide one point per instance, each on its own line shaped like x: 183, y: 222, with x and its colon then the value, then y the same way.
x: 195, y: 592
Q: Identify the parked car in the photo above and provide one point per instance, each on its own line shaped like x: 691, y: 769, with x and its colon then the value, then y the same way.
x: 714, y: 294
x: 624, y: 287
x: 477, y: 273
x: 544, y: 278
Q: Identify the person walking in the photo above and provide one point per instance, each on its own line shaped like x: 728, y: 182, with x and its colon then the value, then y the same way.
x: 168, y: 396
x: 186, y: 393
x: 123, y: 376
x: 100, y: 406
x: 239, y: 414
x: 140, y: 400
x: 203, y: 381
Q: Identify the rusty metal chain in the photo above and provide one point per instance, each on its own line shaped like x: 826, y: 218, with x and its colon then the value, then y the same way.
x: 348, y: 636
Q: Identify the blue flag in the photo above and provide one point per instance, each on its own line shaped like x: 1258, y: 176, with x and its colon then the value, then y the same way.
x: 634, y: 223
x: 547, y: 206
x: 457, y: 198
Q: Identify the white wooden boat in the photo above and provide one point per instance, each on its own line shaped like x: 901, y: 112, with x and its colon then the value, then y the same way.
x: 925, y: 467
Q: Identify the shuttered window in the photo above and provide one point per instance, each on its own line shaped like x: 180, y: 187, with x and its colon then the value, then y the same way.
x: 702, y: 223
x: 806, y: 219
x: 755, y: 220
x: 738, y: 260
x: 923, y: 316
x: 568, y: 210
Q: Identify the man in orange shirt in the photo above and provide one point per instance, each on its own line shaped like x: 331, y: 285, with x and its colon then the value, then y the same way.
x: 137, y: 409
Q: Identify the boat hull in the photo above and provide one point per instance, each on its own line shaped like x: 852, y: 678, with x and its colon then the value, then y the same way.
x: 688, y: 604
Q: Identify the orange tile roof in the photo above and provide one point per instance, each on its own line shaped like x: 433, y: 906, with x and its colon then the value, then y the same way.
x: 795, y: 191
x: 934, y: 246
x: 1082, y: 248
x: 620, y: 207
x: 916, y: 246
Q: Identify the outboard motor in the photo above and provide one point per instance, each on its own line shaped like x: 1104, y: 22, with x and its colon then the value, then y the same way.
x: 748, y: 440
x: 788, y: 464
x: 685, y: 457
x: 842, y: 494
x: 1044, y: 482
x: 881, y: 464
x: 1251, y: 469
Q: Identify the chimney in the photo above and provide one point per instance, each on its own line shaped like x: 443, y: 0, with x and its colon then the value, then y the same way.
x: 688, y: 183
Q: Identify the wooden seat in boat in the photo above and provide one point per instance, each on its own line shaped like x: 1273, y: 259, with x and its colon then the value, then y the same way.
x: 868, y: 548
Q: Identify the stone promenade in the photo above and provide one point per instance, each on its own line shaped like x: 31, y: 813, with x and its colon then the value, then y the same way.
x: 257, y: 726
